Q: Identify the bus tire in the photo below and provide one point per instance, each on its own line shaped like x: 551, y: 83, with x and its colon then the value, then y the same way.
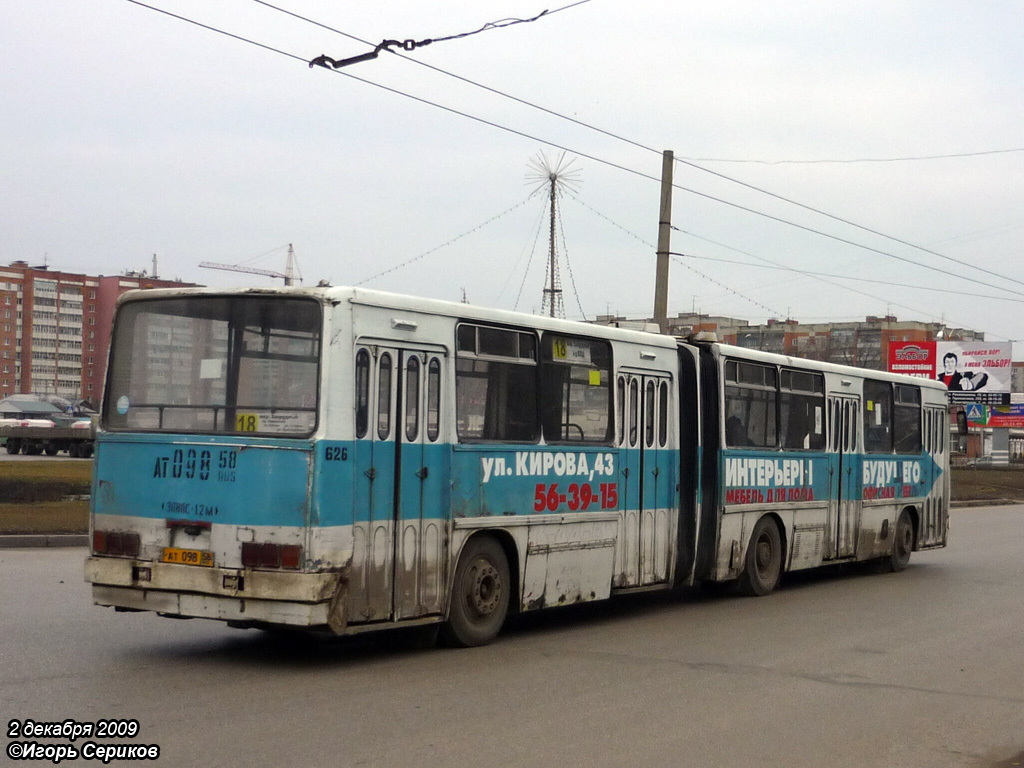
x: 763, y: 564
x: 903, y: 543
x: 480, y: 594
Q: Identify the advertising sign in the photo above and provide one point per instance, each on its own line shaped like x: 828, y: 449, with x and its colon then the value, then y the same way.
x: 912, y: 358
x: 1011, y: 416
x: 974, y: 372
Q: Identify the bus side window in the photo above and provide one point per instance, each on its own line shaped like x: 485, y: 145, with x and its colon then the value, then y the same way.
x: 433, y: 399
x: 362, y: 393
x: 620, y: 418
x: 634, y: 411
x: 412, y: 398
x: 907, y: 419
x: 850, y: 437
x: 384, y: 397
x: 495, y: 384
x: 649, y: 414
x: 751, y: 405
x: 576, y: 389
x: 801, y: 407
x: 877, y: 416
x: 663, y: 416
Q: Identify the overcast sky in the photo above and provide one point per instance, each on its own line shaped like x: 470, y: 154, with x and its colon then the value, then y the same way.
x: 125, y: 132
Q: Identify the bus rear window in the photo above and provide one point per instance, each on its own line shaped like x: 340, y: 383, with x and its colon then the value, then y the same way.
x: 215, y: 364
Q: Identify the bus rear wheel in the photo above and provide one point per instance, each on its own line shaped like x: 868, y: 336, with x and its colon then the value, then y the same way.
x: 764, y: 559
x: 903, y: 543
x: 480, y: 594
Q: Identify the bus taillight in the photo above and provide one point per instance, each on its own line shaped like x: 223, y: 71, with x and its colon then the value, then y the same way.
x: 116, y: 543
x: 268, y: 555
x: 291, y: 556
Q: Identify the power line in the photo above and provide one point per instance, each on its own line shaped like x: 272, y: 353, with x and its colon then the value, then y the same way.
x: 820, y: 279
x: 442, y: 245
x: 607, y: 162
x: 568, y: 264
x: 677, y: 256
x: 808, y: 273
x: 691, y: 161
x: 536, y: 236
x: 853, y: 224
x: 855, y: 160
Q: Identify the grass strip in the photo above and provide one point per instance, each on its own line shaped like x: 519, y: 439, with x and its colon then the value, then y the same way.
x: 45, y: 517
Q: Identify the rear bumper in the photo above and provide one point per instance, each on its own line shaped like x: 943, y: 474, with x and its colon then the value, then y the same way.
x: 228, y: 594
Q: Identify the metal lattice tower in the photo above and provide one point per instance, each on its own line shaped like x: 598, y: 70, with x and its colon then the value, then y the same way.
x: 552, y: 177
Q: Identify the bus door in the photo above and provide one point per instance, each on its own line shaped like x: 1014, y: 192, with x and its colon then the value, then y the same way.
x: 421, y: 465
x: 935, y: 438
x: 398, y: 536
x: 646, y: 478
x: 844, y: 502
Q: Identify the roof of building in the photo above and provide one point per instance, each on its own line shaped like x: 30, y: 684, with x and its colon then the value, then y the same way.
x: 26, y: 404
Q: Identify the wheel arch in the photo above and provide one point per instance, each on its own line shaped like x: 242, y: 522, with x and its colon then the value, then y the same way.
x: 511, y: 550
x: 915, y: 520
x: 783, y: 538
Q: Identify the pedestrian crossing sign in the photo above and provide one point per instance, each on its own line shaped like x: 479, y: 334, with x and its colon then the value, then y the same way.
x: 977, y: 413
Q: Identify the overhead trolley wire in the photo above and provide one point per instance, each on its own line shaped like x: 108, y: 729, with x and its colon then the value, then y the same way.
x: 827, y: 161
x: 596, y: 159
x: 691, y: 162
x: 679, y: 257
x: 850, y: 223
x: 809, y: 273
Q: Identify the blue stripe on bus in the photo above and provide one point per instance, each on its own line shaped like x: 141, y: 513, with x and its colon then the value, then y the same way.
x: 765, y: 477
x: 531, y: 479
x: 209, y: 478
x: 235, y: 481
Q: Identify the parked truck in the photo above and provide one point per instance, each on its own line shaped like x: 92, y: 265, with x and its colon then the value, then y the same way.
x: 33, y: 437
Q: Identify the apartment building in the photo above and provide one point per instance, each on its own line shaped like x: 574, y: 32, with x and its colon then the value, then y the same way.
x: 55, y: 328
x: 864, y: 344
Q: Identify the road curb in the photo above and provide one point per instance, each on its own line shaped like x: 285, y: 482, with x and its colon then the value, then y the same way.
x: 18, y: 540
x: 985, y: 503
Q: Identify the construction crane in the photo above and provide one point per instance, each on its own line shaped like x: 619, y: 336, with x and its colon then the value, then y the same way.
x: 288, y: 275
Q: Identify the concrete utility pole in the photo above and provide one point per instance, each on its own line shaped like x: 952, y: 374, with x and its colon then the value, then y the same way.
x: 664, y: 238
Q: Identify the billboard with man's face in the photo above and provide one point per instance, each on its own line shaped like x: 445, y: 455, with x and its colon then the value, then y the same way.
x: 973, y: 371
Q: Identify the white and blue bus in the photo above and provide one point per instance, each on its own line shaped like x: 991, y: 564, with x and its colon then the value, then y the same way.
x: 349, y: 460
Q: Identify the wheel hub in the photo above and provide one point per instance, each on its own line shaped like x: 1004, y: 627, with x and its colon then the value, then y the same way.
x: 485, y: 591
x: 763, y: 555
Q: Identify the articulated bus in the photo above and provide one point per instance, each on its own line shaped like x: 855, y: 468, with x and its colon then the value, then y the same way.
x: 346, y: 460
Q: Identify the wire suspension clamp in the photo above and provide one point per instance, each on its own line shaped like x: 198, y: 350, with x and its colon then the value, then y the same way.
x: 412, y: 45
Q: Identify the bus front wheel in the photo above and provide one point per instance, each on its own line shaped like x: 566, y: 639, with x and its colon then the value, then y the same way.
x: 480, y: 594
x: 764, y: 559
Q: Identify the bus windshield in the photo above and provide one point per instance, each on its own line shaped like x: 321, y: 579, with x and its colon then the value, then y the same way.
x: 215, y: 364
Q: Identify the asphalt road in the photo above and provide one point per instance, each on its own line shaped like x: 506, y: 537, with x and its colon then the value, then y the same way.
x: 923, y: 668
